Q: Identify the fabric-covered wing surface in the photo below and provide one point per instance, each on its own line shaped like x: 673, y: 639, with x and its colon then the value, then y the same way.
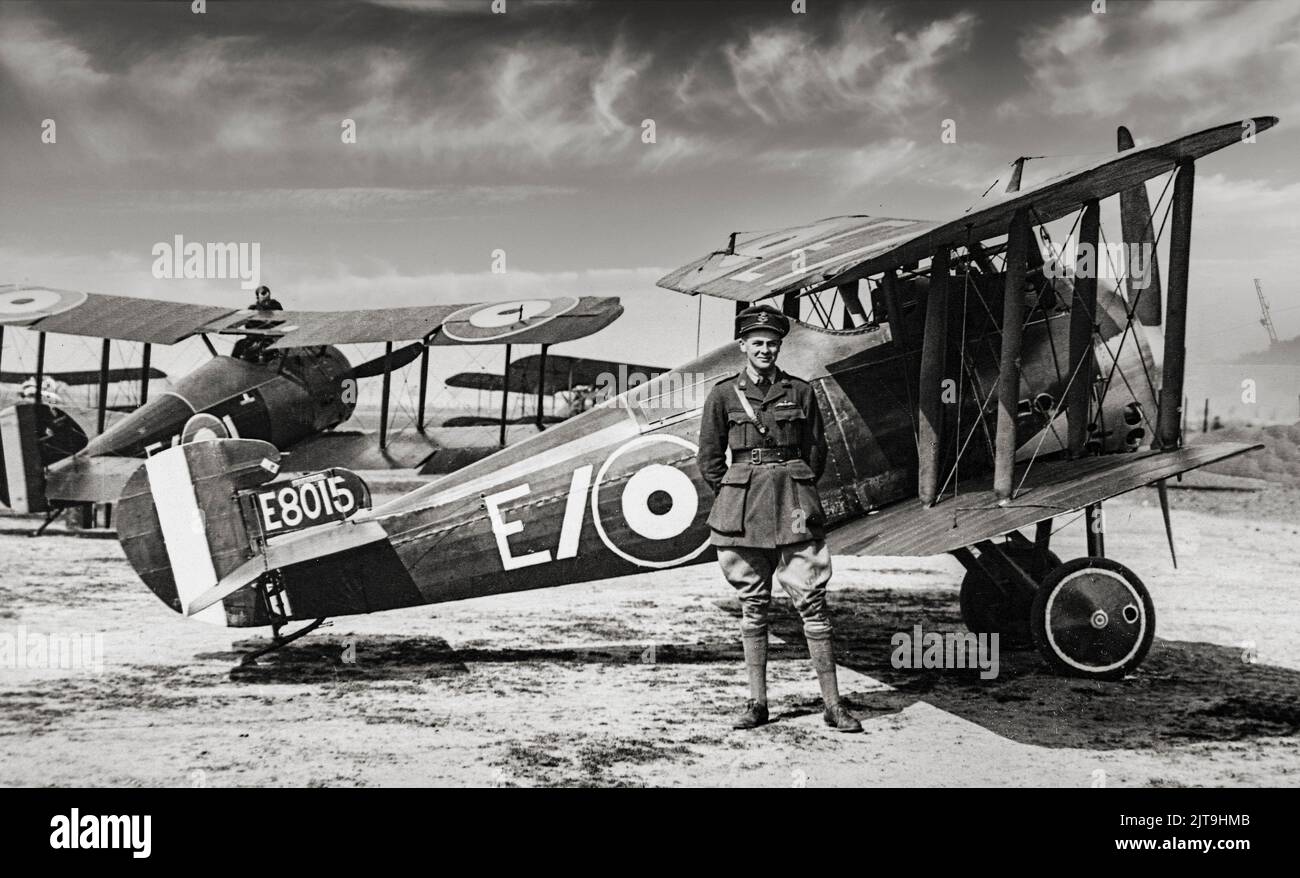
x: 1053, y: 488
x: 562, y: 373
x: 844, y: 249
x: 118, y: 317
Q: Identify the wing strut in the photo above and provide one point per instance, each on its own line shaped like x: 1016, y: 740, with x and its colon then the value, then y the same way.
x: 1168, y: 432
x: 1013, y: 325
x: 40, y: 366
x: 101, y: 415
x: 933, y: 348
x: 383, y: 401
x: 541, y: 386
x: 505, y: 396
x: 1083, y: 321
x: 424, y: 387
x: 144, y: 373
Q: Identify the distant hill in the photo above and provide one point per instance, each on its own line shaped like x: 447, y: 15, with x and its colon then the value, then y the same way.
x: 1278, y: 462
x: 1284, y: 353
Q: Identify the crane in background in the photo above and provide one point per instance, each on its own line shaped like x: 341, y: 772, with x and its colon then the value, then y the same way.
x: 1267, y: 320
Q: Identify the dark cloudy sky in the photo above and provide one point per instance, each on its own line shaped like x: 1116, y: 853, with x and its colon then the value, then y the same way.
x: 523, y: 132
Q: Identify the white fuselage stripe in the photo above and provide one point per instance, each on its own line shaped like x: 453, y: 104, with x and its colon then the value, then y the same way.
x: 183, y: 532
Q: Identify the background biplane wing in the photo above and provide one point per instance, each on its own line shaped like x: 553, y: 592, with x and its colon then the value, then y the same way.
x: 839, y: 250
x: 154, y: 321
x: 561, y: 373
x: 82, y: 377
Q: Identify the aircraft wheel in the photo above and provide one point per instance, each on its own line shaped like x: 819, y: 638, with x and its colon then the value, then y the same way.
x: 1092, y: 617
x: 989, y: 607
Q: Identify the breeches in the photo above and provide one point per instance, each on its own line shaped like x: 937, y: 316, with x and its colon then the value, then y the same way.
x: 803, y: 569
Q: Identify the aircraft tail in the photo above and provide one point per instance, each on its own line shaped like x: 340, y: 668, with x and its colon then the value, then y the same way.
x: 213, y: 537
x: 32, y: 437
x: 180, y: 523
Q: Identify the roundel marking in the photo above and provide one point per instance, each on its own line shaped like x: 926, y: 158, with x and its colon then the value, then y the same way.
x: 642, y: 502
x: 204, y: 427
x: 481, y: 323
x: 643, y: 517
x: 27, y: 305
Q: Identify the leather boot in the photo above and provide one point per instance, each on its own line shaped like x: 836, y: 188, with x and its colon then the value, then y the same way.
x: 823, y: 661
x: 755, y: 713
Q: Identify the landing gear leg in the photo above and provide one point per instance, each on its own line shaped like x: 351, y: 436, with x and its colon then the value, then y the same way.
x: 274, y: 598
x: 50, y: 518
x: 279, y: 640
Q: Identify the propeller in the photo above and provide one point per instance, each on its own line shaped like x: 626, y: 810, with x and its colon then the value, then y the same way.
x: 397, y: 359
x: 1163, y: 490
x: 1136, y: 228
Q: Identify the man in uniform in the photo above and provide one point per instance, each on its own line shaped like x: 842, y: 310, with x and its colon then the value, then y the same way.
x: 248, y: 347
x: 263, y: 300
x: 767, y: 518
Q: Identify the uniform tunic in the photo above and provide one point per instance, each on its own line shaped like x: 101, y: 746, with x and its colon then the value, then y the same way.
x: 764, y: 505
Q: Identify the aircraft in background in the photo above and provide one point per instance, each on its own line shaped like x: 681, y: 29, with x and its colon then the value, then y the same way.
x: 290, y: 386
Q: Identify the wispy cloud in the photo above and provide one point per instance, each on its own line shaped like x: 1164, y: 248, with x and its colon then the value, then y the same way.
x: 866, y: 63
x: 1199, y: 61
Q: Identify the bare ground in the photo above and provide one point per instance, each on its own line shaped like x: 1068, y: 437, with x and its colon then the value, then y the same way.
x: 632, y: 681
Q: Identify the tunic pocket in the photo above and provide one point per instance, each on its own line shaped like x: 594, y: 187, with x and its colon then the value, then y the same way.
x: 728, y: 513
x: 789, y: 425
x: 741, y: 430
x: 805, y: 491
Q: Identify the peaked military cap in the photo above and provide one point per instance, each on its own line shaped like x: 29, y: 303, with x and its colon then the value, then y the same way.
x: 762, y: 317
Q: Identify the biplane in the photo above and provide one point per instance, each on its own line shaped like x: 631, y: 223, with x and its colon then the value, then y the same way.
x: 979, y: 396
x: 574, y: 384
x: 284, y: 383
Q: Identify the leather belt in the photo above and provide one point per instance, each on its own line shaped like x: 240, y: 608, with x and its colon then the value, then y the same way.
x: 778, y: 454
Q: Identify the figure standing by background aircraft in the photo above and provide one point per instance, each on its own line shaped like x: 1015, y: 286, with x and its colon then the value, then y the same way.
x: 251, y: 348
x: 264, y: 301
x: 767, y: 518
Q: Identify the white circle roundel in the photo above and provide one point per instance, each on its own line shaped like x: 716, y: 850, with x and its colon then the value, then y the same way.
x: 665, y: 484
x: 656, y: 520
x: 26, y: 305
x: 500, y: 320
x: 508, y: 313
x: 203, y: 427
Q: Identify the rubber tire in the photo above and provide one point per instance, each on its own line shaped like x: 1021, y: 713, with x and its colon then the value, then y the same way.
x: 981, y: 617
x: 1039, y: 619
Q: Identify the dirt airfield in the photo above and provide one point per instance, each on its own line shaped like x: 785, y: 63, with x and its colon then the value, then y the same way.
x: 633, y: 681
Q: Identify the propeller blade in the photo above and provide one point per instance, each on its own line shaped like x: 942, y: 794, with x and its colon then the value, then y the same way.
x: 1163, y: 490
x: 398, y: 359
x: 1136, y: 228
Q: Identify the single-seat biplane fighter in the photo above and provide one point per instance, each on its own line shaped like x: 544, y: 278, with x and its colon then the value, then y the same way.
x: 973, y: 400
x: 574, y: 385
x: 290, y: 387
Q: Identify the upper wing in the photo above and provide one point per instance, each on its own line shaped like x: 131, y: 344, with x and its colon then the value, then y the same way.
x: 843, y: 249
x: 529, y: 321
x: 1051, y: 489
x: 119, y: 317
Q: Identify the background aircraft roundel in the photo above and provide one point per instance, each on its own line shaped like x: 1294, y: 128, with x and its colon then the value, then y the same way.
x: 499, y: 320
x: 32, y: 303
